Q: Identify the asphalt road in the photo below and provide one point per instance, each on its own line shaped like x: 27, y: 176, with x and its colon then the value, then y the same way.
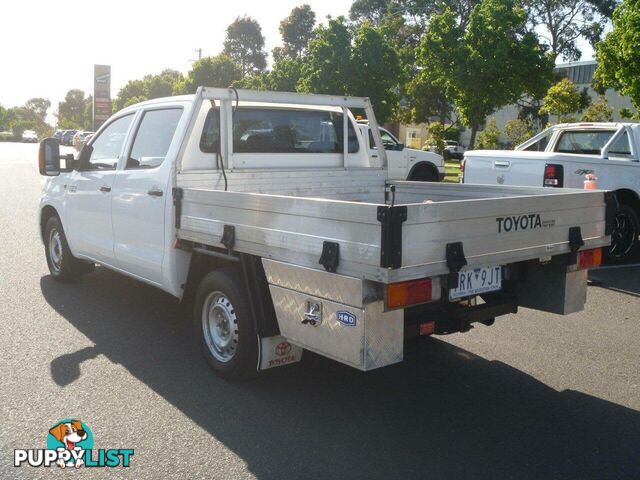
x: 534, y: 396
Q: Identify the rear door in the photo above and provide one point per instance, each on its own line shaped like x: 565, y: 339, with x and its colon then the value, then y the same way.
x: 140, y: 194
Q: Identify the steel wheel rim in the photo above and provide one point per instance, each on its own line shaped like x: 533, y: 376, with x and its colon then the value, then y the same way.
x: 55, y: 249
x: 220, y: 326
x: 622, y: 236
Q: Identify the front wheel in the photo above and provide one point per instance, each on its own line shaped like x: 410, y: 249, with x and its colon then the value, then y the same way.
x: 224, y: 327
x: 63, y: 266
x: 624, y: 237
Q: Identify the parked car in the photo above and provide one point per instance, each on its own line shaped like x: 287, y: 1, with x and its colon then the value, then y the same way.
x: 80, y: 138
x: 29, y: 136
x: 453, y: 150
x: 58, y: 135
x: 562, y: 156
x: 285, y: 233
x: 67, y: 137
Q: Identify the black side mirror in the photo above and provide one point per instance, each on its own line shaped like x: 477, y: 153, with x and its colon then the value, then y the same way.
x: 49, y: 157
x: 400, y: 147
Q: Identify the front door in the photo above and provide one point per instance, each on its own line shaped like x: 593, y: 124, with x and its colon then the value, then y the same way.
x: 87, y: 219
x: 140, y: 193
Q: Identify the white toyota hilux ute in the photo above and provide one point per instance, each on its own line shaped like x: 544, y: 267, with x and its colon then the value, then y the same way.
x: 563, y: 156
x: 267, y: 215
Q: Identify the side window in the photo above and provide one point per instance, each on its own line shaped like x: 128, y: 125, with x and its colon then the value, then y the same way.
x: 540, y: 145
x: 621, y: 147
x: 107, y: 146
x: 388, y: 142
x: 153, y: 138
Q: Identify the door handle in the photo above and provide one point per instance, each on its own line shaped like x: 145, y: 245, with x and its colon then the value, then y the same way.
x: 501, y: 164
x: 154, y: 192
x: 105, y: 189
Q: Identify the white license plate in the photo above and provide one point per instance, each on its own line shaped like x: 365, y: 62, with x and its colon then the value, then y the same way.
x: 478, y: 280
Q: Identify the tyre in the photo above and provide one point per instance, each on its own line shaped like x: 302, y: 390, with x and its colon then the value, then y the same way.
x: 224, y: 327
x: 63, y: 266
x: 624, y: 237
x: 424, y: 175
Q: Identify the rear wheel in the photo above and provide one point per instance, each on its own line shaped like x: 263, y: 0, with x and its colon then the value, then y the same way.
x: 62, y: 264
x: 624, y: 237
x: 224, y: 327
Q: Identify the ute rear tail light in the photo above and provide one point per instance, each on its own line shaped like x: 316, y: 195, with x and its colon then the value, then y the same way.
x: 553, y: 175
x: 413, y: 292
x: 590, y: 258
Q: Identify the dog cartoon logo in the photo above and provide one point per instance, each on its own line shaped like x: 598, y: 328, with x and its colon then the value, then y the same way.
x: 71, y: 435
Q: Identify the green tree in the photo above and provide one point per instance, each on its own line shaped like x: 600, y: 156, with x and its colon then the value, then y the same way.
x: 518, y: 130
x: 132, y: 89
x: 375, y: 71
x: 565, y: 22
x: 285, y: 74
x: 328, y: 65
x: 164, y: 84
x: 618, y: 55
x: 296, y: 31
x: 244, y: 43
x: 625, y: 113
x: 39, y: 107
x: 484, y: 65
x: 72, y: 111
x: 338, y: 63
x: 4, y: 118
x: 435, y: 138
x: 219, y: 71
x: 598, y: 111
x: 489, y: 138
x: 373, y: 11
x: 562, y: 99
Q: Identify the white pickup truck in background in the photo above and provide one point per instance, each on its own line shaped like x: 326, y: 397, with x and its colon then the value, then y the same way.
x: 268, y: 214
x: 405, y: 163
x: 562, y: 156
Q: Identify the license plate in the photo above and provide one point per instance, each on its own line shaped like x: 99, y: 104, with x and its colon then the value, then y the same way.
x: 478, y: 280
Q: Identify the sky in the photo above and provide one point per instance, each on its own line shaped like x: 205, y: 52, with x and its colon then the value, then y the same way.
x: 50, y: 47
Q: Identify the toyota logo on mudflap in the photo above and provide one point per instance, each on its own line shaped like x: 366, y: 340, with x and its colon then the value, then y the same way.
x: 283, y: 348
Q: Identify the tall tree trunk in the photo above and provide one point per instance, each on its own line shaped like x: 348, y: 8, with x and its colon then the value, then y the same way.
x: 472, y: 140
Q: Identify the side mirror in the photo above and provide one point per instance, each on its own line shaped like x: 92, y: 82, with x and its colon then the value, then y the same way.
x: 400, y: 147
x: 49, y: 157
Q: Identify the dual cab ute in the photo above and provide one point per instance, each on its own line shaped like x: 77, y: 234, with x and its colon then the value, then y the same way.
x: 607, y: 155
x: 266, y: 213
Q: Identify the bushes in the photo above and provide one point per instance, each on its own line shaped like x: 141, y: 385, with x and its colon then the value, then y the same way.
x: 488, y: 139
